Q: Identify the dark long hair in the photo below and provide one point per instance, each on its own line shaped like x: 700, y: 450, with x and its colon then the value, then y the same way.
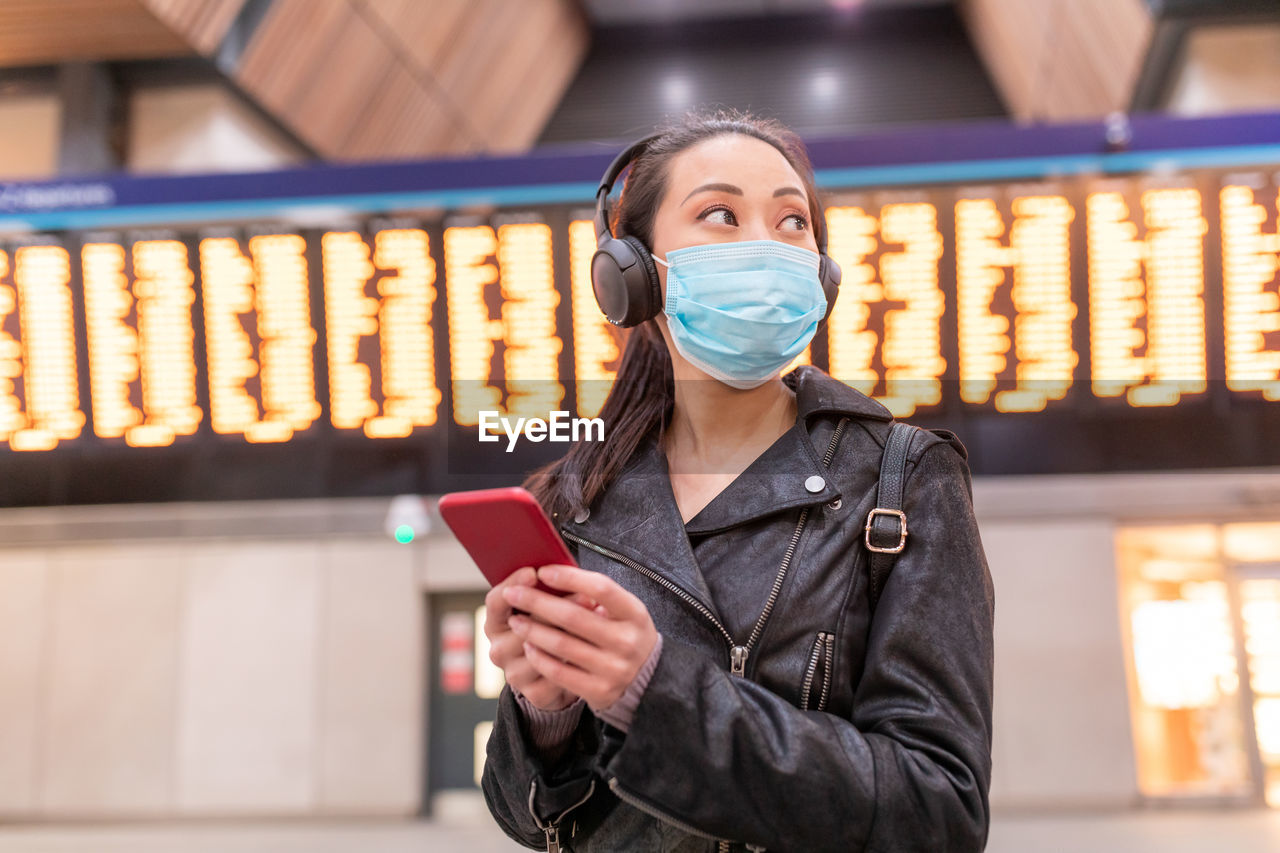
x: 643, y: 391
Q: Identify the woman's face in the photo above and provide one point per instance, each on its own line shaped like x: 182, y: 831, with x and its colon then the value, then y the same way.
x: 731, y: 188
x: 727, y: 189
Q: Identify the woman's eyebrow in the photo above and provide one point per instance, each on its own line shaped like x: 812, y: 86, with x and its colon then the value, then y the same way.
x: 731, y: 189
x: 724, y: 188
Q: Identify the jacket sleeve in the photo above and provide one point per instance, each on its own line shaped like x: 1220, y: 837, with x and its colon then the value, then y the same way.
x: 909, y: 772
x: 524, y: 789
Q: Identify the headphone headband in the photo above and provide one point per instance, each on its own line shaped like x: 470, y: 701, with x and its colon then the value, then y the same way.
x: 621, y: 162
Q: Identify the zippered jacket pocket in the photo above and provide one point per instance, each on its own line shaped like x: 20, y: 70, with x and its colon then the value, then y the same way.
x: 817, y: 674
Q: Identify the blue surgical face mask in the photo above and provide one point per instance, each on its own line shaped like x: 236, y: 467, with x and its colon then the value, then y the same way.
x: 740, y: 312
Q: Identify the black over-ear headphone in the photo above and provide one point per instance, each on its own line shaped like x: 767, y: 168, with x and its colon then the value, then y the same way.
x: 623, y: 274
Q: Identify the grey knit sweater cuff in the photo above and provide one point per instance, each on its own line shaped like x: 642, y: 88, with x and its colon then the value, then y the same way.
x: 551, y: 730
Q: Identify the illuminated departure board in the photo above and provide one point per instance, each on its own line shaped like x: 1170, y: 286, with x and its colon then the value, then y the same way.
x: 889, y: 260
x: 1251, y: 302
x: 1091, y: 322
x: 395, y: 315
x: 40, y: 390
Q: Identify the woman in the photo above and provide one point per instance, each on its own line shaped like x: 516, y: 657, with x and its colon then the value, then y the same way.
x: 719, y: 677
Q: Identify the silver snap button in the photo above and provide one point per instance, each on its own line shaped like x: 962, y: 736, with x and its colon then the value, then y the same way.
x: 836, y: 504
x: 815, y: 484
x: 582, y: 515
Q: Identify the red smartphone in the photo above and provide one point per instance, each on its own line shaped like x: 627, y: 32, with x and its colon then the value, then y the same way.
x: 504, y: 530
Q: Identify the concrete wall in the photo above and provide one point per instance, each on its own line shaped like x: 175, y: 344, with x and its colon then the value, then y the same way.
x: 1062, y: 733
x: 226, y: 659
x: 145, y: 679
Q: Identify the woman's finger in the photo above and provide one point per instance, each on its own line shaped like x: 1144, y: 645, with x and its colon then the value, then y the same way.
x: 505, y: 648
x: 496, y: 608
x: 565, y: 676
x: 565, y: 615
x: 562, y: 645
x: 602, y: 588
x: 535, y: 687
x: 521, y: 675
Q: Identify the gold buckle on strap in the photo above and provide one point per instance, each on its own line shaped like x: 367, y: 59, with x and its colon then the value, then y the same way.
x: 902, y: 524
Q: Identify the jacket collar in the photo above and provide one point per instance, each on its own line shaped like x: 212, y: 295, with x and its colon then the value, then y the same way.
x: 637, y: 515
x: 788, y: 473
x: 817, y: 394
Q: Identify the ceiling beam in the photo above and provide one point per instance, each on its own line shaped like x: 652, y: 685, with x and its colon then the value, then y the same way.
x: 1062, y: 60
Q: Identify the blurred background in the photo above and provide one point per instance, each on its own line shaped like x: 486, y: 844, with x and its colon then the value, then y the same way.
x: 262, y: 260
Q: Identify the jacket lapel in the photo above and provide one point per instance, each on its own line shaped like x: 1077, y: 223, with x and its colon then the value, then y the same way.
x: 787, y: 475
x: 637, y: 517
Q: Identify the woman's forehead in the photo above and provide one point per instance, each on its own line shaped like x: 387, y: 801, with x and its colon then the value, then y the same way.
x: 751, y: 164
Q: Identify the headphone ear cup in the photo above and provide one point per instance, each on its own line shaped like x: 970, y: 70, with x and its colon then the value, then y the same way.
x: 624, y: 279
x: 647, y: 288
x: 608, y: 280
x: 829, y: 275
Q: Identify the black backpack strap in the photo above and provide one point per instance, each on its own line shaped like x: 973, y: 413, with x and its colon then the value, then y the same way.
x: 886, y: 529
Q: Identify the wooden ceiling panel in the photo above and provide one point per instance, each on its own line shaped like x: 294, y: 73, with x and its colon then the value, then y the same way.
x: 276, y: 65
x: 53, y: 31
x: 547, y: 59
x: 521, y: 124
x: 490, y: 95
x: 1097, y: 54
x: 314, y: 66
x: 423, y: 30
x: 404, y: 121
x: 474, y: 72
x: 1062, y: 59
x: 490, y: 28
x: 203, y: 23
x: 1013, y: 39
x: 341, y: 85
x: 351, y: 78
x: 400, y: 78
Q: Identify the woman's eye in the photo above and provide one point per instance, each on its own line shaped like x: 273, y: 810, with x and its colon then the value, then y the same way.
x: 795, y: 222
x: 720, y: 216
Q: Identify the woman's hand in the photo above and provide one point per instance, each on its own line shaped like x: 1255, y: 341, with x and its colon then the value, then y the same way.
x: 506, y: 649
x: 592, y: 652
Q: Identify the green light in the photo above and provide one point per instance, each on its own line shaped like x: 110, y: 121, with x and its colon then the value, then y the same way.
x: 404, y: 534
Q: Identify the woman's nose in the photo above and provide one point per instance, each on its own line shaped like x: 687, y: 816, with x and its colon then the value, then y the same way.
x: 756, y: 230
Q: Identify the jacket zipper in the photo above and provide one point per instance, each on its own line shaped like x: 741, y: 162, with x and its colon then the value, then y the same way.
x: 806, y: 689
x: 738, y: 654
x: 829, y: 661
x: 552, y: 830
x: 653, y: 811
x: 823, y: 651
x: 697, y: 605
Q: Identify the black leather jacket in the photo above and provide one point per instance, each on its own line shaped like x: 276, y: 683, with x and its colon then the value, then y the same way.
x: 848, y: 729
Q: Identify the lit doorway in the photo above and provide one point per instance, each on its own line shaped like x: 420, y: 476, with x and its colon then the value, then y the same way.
x: 1200, y: 605
x: 1256, y: 596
